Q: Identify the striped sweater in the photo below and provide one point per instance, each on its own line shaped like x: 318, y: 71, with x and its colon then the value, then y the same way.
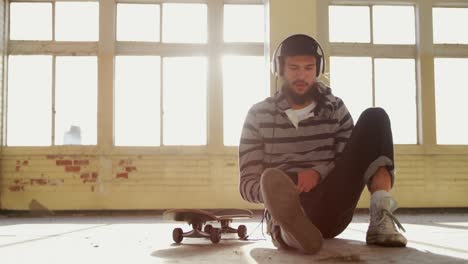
x: 270, y: 140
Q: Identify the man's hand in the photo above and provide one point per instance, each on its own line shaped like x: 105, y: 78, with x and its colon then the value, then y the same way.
x: 307, y: 180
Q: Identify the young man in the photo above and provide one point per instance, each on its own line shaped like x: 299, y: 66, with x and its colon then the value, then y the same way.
x: 301, y: 156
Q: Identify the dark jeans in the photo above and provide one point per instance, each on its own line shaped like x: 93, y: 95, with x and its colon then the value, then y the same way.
x: 331, y: 204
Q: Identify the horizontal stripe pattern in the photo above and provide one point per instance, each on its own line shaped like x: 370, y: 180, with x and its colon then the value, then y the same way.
x: 270, y: 140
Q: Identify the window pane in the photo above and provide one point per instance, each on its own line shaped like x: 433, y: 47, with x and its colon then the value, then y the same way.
x: 76, y: 100
x: 451, y: 82
x: 184, y: 23
x: 349, y: 24
x: 137, y: 22
x: 77, y: 21
x: 31, y: 21
x: 388, y: 30
x: 29, y: 101
x: 185, y: 83
x: 241, y: 93
x: 244, y: 23
x: 395, y: 91
x: 137, y: 100
x: 351, y: 80
x: 448, y: 25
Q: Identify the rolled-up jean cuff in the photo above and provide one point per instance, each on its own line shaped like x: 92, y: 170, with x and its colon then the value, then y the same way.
x: 374, y: 166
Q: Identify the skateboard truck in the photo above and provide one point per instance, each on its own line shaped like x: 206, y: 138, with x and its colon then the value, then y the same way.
x: 214, y: 234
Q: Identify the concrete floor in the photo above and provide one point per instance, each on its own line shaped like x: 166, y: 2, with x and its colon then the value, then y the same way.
x: 432, y: 238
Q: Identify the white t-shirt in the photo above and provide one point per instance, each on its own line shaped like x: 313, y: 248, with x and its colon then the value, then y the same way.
x: 297, y: 115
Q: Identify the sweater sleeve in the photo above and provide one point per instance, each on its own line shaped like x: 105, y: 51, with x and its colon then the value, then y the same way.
x: 251, y: 153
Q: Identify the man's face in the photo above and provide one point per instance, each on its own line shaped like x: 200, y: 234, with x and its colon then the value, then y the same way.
x: 299, y: 73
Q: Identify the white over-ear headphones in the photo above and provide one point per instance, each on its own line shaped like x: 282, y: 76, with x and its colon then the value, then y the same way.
x: 275, y: 62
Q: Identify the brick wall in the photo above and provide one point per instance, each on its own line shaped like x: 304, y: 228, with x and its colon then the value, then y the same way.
x: 73, y: 182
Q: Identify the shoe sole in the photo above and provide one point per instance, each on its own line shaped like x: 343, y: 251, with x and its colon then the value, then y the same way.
x: 386, y: 241
x: 287, y: 211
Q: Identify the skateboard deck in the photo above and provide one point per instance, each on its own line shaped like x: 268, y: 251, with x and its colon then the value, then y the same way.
x: 198, y: 218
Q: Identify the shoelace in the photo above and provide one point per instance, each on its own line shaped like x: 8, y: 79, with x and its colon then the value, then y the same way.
x: 259, y: 224
x: 393, y: 218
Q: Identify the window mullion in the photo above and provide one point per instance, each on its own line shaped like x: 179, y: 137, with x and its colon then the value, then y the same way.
x: 425, y: 74
x: 54, y: 59
x: 215, y: 91
x: 161, y: 101
x: 371, y: 24
x: 373, y: 81
x: 161, y: 79
x: 53, y: 21
x: 106, y: 55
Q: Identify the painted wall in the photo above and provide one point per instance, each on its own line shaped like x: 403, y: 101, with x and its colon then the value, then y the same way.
x: 2, y: 79
x: 103, y: 177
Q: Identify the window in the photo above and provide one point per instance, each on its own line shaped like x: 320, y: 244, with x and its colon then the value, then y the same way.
x: 52, y: 88
x: 450, y: 18
x: 31, y: 21
x: 76, y: 100
x: 184, y: 23
x: 395, y: 91
x: 137, y: 100
x: 451, y: 84
x: 244, y: 75
x: 241, y: 93
x: 398, y: 31
x: 244, y: 23
x: 450, y: 63
x: 345, y: 73
x: 184, y: 101
x: 168, y: 77
x: 29, y: 112
x: 349, y: 24
x: 76, y: 21
x: 372, y: 63
x: 138, y: 22
x: 177, y: 76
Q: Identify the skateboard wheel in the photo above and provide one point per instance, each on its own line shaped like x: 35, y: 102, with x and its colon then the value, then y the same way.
x: 208, y: 228
x: 215, y: 235
x: 242, y: 231
x: 177, y: 235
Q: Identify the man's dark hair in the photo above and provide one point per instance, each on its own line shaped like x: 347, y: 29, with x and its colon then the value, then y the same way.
x: 297, y: 45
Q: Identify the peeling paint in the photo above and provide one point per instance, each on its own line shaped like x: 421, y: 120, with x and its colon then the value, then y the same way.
x: 72, y: 168
x: 89, y: 177
x: 55, y: 157
x: 122, y: 175
x: 130, y: 168
x: 81, y: 162
x: 16, y: 188
x: 63, y: 162
x: 38, y: 181
x: 56, y: 182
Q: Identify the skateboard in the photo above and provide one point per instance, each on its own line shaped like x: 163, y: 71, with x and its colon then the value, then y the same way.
x: 198, y: 218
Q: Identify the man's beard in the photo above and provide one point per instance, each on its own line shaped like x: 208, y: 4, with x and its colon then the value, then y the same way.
x: 300, y: 99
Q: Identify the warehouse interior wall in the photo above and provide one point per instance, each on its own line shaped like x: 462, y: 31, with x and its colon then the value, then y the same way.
x: 105, y: 177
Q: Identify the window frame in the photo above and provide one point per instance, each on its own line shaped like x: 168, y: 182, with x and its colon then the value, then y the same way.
x: 107, y: 47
